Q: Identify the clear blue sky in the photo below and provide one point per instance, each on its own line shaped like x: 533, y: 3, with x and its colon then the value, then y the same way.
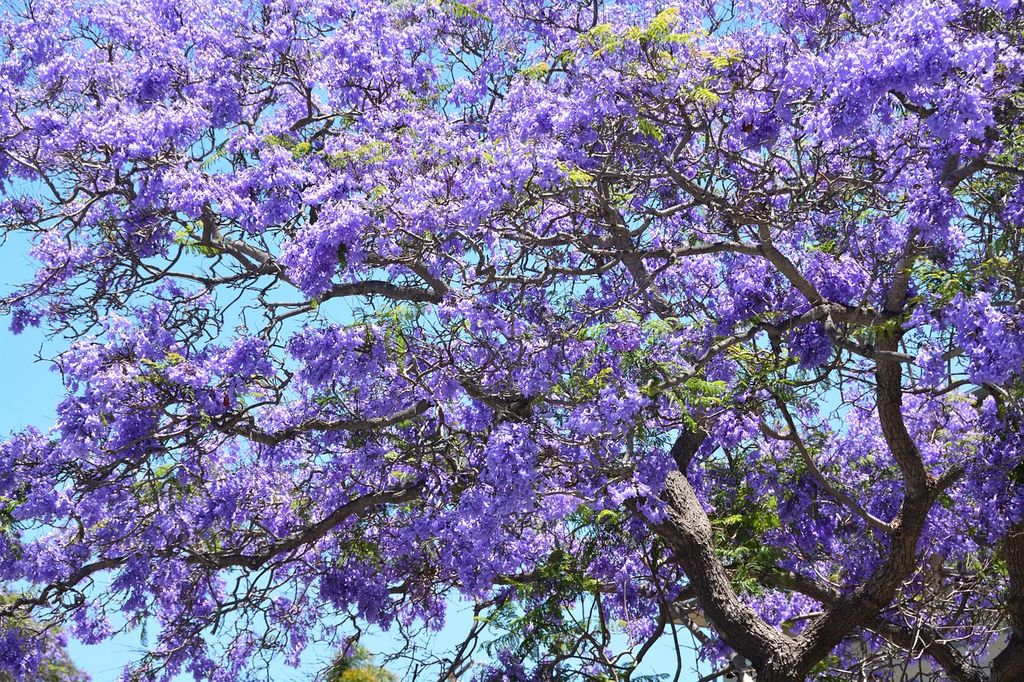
x: 29, y: 393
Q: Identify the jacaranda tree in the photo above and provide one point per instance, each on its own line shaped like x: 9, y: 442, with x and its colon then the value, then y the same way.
x: 612, y: 317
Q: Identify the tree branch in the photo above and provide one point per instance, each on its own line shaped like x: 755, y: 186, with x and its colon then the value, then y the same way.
x: 250, y: 431
x: 687, y: 530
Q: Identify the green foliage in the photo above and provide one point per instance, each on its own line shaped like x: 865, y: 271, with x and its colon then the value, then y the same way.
x: 661, y: 26
x: 705, y: 96
x: 724, y: 59
x: 537, y: 71
x: 660, y: 30
x: 155, y: 371
x: 161, y: 484
x: 286, y: 141
x: 739, y: 530
x: 942, y: 283
x: 219, y: 153
x: 398, y: 323
x: 576, y: 176
x: 373, y: 151
x: 650, y: 129
x: 7, y: 506
x: 537, y: 625
x: 462, y: 10
x: 187, y: 239
x: 554, y: 612
x: 358, y: 667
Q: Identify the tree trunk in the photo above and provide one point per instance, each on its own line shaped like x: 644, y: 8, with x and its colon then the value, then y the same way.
x: 779, y: 675
x: 1008, y: 666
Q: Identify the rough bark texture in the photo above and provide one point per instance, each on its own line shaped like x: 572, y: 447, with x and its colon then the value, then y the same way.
x: 1008, y: 666
x: 777, y: 656
x: 688, y: 531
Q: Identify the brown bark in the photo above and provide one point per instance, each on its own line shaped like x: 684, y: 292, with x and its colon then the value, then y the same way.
x: 688, y: 531
x: 956, y: 665
x: 776, y: 656
x: 920, y: 491
x: 1008, y: 666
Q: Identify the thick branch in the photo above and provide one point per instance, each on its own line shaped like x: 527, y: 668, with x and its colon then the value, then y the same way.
x: 788, y: 269
x: 889, y: 399
x: 307, y: 536
x: 687, y: 529
x: 313, y: 533
x: 958, y: 666
x: 388, y: 290
x: 900, y: 559
x: 1009, y: 664
x: 634, y: 261
x: 256, y: 435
